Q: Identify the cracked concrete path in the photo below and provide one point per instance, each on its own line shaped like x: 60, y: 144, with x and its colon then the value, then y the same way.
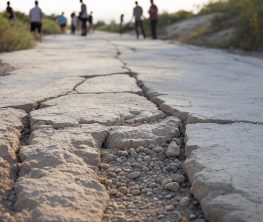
x: 104, y: 129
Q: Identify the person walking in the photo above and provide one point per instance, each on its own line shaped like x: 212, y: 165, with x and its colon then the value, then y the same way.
x: 83, y: 18
x: 153, y: 11
x: 121, y: 24
x: 36, y: 20
x: 9, y: 12
x: 138, y: 16
x: 91, y: 22
x: 62, y: 21
x: 74, y: 23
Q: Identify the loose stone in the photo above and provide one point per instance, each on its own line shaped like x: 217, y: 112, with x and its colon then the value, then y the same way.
x: 134, y: 175
x: 105, y: 166
x: 123, y: 190
x: 158, y: 149
x: 113, y: 192
x: 178, y: 178
x: 169, y: 208
x: 185, y: 201
x: 174, y: 186
x: 135, y: 192
x: 173, y: 150
x: 110, y: 157
x: 123, y: 153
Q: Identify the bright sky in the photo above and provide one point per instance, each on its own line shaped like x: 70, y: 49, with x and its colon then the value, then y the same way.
x: 103, y: 9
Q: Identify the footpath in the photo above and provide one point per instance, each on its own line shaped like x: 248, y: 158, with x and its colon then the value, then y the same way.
x: 109, y: 128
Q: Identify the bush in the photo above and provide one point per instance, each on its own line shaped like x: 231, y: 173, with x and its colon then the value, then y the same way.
x: 50, y: 26
x: 14, y: 36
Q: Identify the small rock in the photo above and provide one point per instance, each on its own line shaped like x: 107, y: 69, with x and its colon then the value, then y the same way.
x: 173, y: 150
x: 110, y: 157
x: 123, y: 153
x: 153, y: 185
x: 158, y: 149
x: 184, y: 219
x: 108, y: 182
x: 123, y: 190
x: 173, y: 186
x: 151, y: 146
x: 118, y: 170
x: 147, y: 158
x: 185, y: 201
x: 135, y: 192
x: 105, y: 166
x: 113, y: 192
x: 166, y: 181
x: 119, y: 160
x: 134, y: 175
x: 178, y: 178
x: 169, y: 208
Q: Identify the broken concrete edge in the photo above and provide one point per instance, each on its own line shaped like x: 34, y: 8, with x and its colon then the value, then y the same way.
x: 5, y: 69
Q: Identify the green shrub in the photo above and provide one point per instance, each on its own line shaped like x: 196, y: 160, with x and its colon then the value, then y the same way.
x: 50, y: 26
x: 14, y: 36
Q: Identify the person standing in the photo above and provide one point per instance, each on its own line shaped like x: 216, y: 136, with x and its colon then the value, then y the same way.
x: 121, y: 24
x: 138, y: 16
x: 91, y: 22
x: 62, y: 21
x: 9, y: 12
x: 153, y: 11
x: 74, y: 23
x: 83, y: 18
x: 36, y: 20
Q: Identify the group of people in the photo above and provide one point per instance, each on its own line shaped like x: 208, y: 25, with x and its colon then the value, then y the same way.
x: 75, y: 20
x: 84, y: 18
x: 36, y: 20
x: 138, y: 17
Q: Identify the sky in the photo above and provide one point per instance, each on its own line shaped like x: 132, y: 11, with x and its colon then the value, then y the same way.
x: 105, y: 10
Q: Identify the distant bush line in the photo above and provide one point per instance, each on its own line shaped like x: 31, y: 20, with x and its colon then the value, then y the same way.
x: 15, y: 35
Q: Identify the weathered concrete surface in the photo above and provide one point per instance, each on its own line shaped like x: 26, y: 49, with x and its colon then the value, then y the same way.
x: 56, y: 178
x: 106, y: 109
x: 53, y: 70
x: 225, y: 168
x: 10, y: 128
x: 110, y: 84
x: 125, y: 137
x: 199, y: 85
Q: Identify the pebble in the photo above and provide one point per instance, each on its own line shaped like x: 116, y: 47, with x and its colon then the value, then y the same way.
x: 147, y: 158
x: 151, y: 146
x: 118, y: 170
x: 113, y: 192
x: 185, y: 201
x: 108, y: 182
x: 173, y: 186
x: 153, y: 185
x: 105, y: 166
x: 123, y: 190
x: 135, y: 192
x: 169, y: 208
x: 119, y: 160
x: 166, y: 181
x: 178, y: 178
x: 158, y: 149
x: 123, y: 153
x: 173, y: 150
x: 110, y: 157
x: 134, y: 175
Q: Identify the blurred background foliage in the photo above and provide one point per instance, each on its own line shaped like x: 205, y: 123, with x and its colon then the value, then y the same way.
x: 15, y: 34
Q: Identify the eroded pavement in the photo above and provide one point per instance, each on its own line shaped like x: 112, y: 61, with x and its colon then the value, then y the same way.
x: 114, y: 129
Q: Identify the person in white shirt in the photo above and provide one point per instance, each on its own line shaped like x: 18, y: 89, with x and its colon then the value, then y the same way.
x: 83, y: 16
x: 36, y: 20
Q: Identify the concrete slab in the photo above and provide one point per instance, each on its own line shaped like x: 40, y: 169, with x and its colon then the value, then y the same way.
x: 56, y: 180
x: 225, y: 168
x: 106, y: 109
x: 110, y: 84
x: 199, y: 85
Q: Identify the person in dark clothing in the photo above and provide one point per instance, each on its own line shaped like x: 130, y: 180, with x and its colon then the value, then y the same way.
x: 83, y: 18
x: 121, y: 24
x: 9, y: 12
x: 153, y: 11
x: 91, y: 22
x: 138, y: 14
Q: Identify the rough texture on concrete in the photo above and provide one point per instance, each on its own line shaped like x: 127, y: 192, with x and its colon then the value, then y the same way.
x: 125, y: 137
x: 10, y: 128
x: 106, y: 109
x: 56, y: 181
x: 110, y: 84
x: 225, y: 166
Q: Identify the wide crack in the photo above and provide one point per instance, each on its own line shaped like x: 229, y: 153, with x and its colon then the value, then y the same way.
x: 146, y: 183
